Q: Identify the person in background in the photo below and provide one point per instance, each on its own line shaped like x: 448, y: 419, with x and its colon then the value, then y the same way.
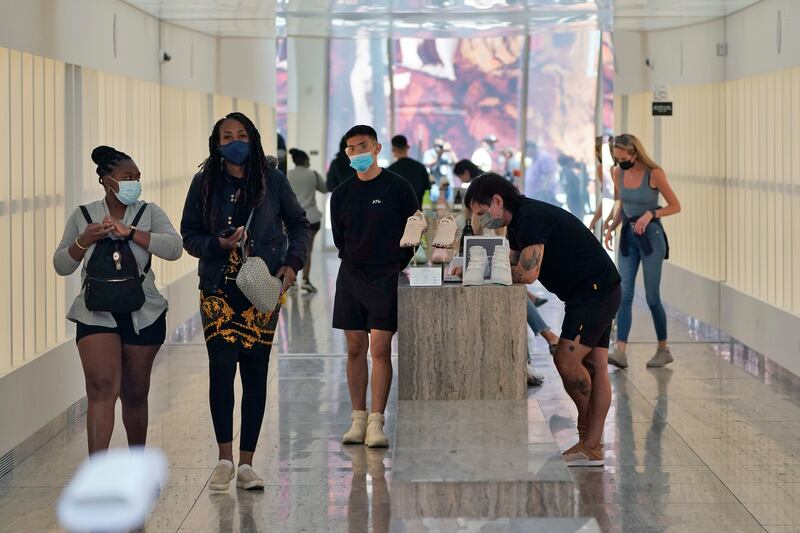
x: 369, y: 215
x: 483, y: 155
x: 339, y: 170
x: 466, y: 171
x: 640, y: 181
x: 439, y: 160
x: 236, y: 182
x: 281, y: 155
x: 599, y: 182
x: 413, y: 171
x: 571, y: 183
x: 117, y: 350
x: 306, y: 183
x: 541, y: 178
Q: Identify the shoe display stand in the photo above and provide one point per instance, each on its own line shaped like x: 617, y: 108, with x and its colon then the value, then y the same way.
x: 462, y: 343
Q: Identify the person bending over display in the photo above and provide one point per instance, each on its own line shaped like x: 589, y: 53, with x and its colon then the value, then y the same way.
x: 551, y: 245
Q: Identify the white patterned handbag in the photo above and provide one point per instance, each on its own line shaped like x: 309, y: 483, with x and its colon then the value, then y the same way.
x: 255, y: 281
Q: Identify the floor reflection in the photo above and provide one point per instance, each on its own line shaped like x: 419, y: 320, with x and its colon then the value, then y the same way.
x: 369, y: 477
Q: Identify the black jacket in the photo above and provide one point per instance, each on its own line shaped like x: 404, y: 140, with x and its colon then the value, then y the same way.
x: 339, y: 171
x: 267, y: 238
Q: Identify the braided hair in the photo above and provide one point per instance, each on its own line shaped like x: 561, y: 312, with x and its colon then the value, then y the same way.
x: 107, y: 158
x: 257, y: 169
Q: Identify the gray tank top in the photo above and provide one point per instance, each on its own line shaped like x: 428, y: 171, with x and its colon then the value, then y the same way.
x: 636, y: 202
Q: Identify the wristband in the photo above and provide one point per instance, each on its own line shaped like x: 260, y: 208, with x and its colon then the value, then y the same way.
x: 78, y: 244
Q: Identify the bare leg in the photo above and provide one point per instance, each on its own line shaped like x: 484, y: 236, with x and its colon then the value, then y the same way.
x: 225, y: 451
x: 576, y: 378
x: 137, y: 363
x: 600, y: 399
x: 381, y: 352
x: 307, y: 266
x: 357, y: 368
x: 101, y: 357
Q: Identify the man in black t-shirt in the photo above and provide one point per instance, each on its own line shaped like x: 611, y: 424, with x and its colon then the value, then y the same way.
x: 413, y: 171
x: 369, y: 214
x: 551, y: 245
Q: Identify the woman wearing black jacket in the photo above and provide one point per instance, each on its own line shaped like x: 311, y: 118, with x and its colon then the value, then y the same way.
x: 236, y: 178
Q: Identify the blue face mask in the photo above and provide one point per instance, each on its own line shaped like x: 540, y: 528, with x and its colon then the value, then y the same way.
x: 235, y: 152
x: 362, y: 162
x: 129, y: 191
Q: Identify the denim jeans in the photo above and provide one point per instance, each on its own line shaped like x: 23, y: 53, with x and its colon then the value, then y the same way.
x: 651, y: 265
x: 535, y: 321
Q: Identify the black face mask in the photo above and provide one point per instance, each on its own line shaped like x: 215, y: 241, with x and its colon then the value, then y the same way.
x: 626, y: 165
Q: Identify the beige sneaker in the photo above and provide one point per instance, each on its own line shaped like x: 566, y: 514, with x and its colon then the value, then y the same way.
x: 358, y: 431
x: 222, y: 476
x: 618, y: 359
x: 375, y: 437
x: 248, y: 479
x: 445, y: 232
x: 416, y: 225
x: 661, y: 358
x: 580, y: 455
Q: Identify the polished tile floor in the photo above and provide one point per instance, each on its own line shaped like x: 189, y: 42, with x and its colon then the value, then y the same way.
x: 711, y: 443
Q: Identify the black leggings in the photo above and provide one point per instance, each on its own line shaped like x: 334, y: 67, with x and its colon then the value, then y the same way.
x: 253, y: 365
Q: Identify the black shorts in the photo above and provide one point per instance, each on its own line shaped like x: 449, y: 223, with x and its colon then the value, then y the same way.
x: 365, y: 300
x: 591, y: 318
x: 152, y: 335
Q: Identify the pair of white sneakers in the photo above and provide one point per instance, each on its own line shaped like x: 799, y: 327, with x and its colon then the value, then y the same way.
x: 501, y: 266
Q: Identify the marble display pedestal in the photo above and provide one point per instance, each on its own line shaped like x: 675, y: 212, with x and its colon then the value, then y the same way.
x: 486, y: 459
x: 462, y: 343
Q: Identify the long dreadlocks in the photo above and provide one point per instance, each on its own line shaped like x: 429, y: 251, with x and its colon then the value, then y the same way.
x: 257, y: 170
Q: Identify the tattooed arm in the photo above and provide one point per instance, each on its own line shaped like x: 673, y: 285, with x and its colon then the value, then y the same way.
x: 527, y: 269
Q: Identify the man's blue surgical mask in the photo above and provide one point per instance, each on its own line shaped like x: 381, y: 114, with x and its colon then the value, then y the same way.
x: 362, y: 162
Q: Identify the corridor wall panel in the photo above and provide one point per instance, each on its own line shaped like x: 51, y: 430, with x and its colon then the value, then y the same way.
x: 732, y: 154
x: 31, y: 210
x: 164, y: 129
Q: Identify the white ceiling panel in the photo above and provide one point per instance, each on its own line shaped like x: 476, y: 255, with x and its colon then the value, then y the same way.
x: 349, y: 18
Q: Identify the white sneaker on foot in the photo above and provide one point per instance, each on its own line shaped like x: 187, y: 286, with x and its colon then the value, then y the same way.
x: 501, y: 266
x: 661, y: 358
x: 618, y: 359
x: 222, y: 476
x: 248, y: 479
x: 358, y: 430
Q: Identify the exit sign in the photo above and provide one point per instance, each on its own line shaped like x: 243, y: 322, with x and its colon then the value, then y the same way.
x: 662, y: 109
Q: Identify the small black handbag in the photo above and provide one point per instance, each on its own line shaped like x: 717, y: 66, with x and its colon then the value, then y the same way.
x: 113, y: 282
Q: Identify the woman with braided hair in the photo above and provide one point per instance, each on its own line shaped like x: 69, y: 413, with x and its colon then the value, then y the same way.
x: 238, y: 182
x: 117, y: 349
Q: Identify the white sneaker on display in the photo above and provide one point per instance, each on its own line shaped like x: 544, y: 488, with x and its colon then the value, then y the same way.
x: 473, y: 274
x: 501, y: 266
